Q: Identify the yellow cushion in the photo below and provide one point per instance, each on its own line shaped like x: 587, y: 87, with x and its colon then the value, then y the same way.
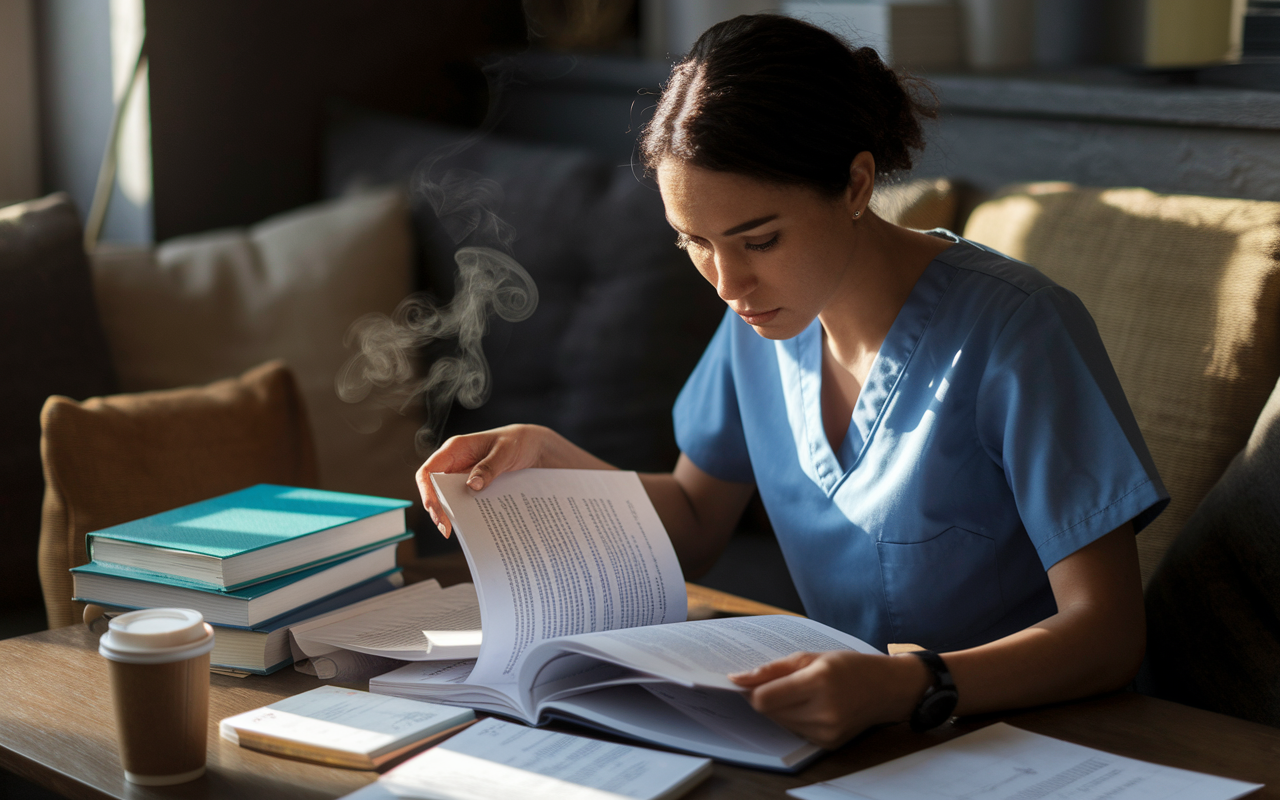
x: 921, y: 204
x: 1186, y: 294
x: 112, y: 459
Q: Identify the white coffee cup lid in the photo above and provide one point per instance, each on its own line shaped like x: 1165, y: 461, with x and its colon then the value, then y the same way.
x: 155, y: 635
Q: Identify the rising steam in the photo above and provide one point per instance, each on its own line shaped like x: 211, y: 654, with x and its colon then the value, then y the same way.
x: 489, y: 281
x: 385, y: 369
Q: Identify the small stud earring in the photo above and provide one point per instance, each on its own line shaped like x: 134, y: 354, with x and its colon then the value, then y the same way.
x: 857, y: 214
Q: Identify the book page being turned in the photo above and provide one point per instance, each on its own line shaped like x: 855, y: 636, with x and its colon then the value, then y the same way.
x: 561, y: 552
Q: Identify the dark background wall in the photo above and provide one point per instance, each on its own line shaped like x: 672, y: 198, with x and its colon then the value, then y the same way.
x: 239, y: 90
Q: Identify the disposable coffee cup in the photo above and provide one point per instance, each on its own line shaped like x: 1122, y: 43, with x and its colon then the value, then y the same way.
x: 159, y: 664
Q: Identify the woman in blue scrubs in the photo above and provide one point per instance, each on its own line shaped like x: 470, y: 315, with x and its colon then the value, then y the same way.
x: 935, y: 430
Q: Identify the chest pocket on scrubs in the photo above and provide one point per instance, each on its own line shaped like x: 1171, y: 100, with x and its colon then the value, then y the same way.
x: 941, y: 591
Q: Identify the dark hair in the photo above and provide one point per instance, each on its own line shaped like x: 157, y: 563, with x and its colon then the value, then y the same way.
x: 784, y: 101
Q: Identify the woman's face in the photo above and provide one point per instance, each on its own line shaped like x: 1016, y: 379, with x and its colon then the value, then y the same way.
x: 776, y: 254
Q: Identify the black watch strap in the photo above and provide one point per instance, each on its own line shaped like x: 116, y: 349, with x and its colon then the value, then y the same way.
x: 939, y: 699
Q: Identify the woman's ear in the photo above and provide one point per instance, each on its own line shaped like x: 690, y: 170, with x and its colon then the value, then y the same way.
x: 862, y: 182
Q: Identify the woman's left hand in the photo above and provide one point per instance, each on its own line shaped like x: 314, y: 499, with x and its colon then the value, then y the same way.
x: 828, y: 698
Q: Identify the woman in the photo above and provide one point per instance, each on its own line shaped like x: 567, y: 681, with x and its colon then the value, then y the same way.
x: 936, y: 431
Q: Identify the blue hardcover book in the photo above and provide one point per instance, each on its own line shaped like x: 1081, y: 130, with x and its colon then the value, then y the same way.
x: 250, y: 536
x: 250, y: 607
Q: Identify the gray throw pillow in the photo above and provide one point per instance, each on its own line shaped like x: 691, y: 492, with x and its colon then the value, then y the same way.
x: 51, y: 342
x: 622, y: 314
x: 1213, y: 605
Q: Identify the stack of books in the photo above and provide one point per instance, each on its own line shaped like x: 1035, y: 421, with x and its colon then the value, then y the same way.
x: 253, y: 562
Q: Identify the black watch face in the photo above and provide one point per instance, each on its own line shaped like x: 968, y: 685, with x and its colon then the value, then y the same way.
x: 935, y: 709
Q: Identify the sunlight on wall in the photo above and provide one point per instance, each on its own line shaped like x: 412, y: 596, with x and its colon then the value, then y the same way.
x: 128, y: 24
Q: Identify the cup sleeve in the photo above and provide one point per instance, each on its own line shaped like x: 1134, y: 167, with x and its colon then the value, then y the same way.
x: 1052, y: 413
x: 708, y: 422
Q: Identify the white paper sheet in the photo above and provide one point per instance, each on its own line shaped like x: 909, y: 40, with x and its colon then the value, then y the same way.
x: 1001, y: 762
x: 494, y: 760
x: 422, y: 622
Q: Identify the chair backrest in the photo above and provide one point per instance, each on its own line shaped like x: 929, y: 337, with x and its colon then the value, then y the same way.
x: 1213, y: 606
x: 1186, y: 295
x: 112, y: 459
x: 51, y: 342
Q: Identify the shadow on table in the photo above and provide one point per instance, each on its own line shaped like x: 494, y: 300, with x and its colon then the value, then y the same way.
x: 13, y: 787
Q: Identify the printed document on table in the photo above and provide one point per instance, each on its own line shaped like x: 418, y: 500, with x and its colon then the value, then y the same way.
x: 1001, y: 762
x: 496, y: 760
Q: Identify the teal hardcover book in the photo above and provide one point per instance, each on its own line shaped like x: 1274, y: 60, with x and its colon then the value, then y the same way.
x: 250, y: 607
x: 251, y: 535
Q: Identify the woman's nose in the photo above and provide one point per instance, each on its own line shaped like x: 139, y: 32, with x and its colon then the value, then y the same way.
x: 734, y: 279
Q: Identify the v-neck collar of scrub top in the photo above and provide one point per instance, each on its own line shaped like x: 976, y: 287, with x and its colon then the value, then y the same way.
x: 800, y: 367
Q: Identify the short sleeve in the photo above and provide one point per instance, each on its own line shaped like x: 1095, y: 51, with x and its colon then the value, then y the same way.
x: 708, y: 423
x: 1052, y: 413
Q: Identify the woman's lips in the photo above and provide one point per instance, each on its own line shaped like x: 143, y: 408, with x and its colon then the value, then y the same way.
x: 752, y: 317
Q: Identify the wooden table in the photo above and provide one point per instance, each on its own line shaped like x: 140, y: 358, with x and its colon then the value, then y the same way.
x: 57, y: 730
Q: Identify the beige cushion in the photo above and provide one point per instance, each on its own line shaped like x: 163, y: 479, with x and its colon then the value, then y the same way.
x: 207, y: 306
x: 1186, y: 295
x: 113, y: 459
x: 921, y: 204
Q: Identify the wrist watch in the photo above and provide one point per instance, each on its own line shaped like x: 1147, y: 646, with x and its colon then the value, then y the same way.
x: 940, y: 699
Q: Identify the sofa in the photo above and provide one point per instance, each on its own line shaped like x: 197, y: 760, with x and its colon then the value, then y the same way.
x: 1186, y: 295
x: 1185, y: 292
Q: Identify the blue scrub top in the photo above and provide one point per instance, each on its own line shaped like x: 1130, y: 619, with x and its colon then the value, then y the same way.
x: 991, y: 439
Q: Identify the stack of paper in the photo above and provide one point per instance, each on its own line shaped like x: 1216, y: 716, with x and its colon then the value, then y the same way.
x: 422, y: 622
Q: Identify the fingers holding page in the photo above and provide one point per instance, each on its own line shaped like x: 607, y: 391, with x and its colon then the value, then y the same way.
x: 772, y: 671
x: 457, y: 454
x: 484, y: 455
x: 828, y: 698
x: 431, y: 501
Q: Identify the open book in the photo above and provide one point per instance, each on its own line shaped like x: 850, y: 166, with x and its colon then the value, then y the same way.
x: 584, y: 603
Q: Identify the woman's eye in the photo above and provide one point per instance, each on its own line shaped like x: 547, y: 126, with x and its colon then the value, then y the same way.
x: 763, y: 245
x: 684, y: 242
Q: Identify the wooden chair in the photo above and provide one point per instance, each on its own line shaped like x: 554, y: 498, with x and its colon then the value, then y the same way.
x: 112, y: 459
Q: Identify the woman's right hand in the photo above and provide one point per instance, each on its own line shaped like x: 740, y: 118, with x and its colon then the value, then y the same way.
x: 486, y: 455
